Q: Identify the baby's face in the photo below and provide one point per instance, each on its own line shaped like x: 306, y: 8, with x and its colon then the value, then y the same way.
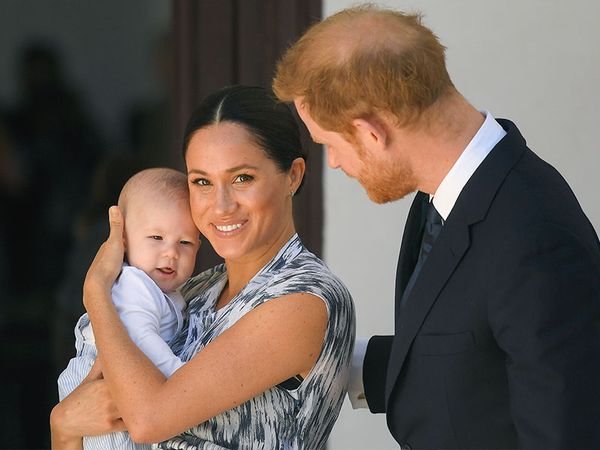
x: 162, y: 240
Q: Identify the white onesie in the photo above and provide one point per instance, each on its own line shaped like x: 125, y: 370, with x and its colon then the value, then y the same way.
x: 151, y: 318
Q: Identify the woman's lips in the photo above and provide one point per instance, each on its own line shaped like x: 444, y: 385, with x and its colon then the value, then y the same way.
x: 230, y: 229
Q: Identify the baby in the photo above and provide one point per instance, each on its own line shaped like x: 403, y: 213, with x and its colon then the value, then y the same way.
x: 161, y: 242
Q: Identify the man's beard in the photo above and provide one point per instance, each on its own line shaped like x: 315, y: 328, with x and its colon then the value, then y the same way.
x: 385, y: 182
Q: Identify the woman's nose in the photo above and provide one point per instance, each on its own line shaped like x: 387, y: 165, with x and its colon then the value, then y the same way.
x: 225, y: 202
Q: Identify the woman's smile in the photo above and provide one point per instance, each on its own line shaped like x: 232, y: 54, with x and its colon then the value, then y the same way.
x: 240, y: 198
x: 230, y: 229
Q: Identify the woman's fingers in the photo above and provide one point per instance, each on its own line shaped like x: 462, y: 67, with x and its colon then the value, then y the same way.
x: 107, y: 264
x: 116, y: 225
x: 95, y: 372
x: 114, y: 245
x: 88, y: 411
x: 118, y: 425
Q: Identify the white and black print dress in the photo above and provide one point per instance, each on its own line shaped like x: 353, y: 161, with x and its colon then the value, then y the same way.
x: 279, y: 418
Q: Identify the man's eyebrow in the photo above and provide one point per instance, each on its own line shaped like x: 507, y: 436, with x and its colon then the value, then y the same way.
x: 230, y: 170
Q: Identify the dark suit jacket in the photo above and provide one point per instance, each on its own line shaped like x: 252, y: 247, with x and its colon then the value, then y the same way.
x: 498, y: 344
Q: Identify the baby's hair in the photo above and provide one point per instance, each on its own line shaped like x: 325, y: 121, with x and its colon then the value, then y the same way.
x: 157, y: 183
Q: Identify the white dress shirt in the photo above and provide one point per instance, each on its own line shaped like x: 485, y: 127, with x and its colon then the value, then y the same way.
x: 486, y: 138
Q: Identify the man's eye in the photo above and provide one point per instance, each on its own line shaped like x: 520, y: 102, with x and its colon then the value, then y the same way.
x: 156, y: 237
x: 243, y: 178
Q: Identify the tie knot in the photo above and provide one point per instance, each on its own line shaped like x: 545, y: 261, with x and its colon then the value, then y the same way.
x: 433, y: 226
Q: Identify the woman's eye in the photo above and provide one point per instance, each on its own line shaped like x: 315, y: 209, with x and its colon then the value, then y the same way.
x: 156, y: 237
x: 201, y: 182
x: 243, y: 178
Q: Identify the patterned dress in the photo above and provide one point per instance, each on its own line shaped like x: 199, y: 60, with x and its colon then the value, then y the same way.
x: 279, y: 418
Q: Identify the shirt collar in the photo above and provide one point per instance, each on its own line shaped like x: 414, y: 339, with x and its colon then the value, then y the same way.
x: 486, y: 138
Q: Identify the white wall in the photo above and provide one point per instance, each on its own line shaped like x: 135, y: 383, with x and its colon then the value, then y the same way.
x: 536, y: 62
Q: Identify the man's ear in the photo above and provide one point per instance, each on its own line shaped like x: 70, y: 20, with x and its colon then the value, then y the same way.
x: 372, y: 132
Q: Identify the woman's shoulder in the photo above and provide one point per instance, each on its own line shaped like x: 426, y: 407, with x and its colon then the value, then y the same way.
x: 307, y: 273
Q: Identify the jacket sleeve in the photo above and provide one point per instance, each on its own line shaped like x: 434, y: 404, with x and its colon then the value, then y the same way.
x: 545, y: 315
x: 375, y: 371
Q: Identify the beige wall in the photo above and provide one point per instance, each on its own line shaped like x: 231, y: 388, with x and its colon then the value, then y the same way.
x: 535, y: 62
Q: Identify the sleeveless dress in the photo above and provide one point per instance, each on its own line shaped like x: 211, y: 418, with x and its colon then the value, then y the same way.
x: 279, y: 418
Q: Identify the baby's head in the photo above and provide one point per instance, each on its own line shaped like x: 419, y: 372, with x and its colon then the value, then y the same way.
x: 160, y: 236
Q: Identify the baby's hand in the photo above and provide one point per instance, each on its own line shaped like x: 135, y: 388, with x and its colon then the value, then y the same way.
x: 106, y: 266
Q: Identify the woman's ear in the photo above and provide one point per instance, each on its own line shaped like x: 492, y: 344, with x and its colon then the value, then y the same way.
x: 296, y: 174
x: 371, y: 132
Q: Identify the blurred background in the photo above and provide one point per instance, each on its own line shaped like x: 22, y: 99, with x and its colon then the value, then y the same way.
x: 91, y: 92
x: 80, y: 84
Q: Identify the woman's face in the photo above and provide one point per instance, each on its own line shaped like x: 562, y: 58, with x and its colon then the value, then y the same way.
x: 240, y: 199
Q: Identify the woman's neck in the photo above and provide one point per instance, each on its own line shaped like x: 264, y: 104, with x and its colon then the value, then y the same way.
x: 241, y: 271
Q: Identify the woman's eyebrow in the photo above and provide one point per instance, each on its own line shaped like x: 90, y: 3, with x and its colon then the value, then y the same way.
x: 242, y: 167
x: 197, y: 171
x: 232, y: 169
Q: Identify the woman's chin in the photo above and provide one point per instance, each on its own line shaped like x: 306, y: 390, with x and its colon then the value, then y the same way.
x: 229, y: 251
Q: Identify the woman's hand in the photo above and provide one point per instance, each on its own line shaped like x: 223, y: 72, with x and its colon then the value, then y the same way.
x: 107, y: 264
x: 88, y: 411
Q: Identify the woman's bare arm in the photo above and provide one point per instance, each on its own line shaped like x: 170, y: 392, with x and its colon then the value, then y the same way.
x: 270, y: 344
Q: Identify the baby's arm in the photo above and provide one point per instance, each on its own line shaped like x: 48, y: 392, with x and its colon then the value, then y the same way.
x: 143, y: 309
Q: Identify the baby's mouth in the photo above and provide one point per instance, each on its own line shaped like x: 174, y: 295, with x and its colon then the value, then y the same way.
x: 166, y: 270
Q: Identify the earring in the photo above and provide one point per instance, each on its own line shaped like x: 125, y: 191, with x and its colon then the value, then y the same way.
x: 292, y: 193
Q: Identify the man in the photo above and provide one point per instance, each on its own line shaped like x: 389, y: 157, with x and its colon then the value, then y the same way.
x: 497, y: 323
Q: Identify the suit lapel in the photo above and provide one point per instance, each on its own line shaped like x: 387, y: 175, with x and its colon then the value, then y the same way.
x: 450, y: 246
x: 411, y: 241
x: 448, y: 250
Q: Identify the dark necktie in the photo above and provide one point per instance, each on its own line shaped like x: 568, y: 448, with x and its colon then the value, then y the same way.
x: 433, y: 226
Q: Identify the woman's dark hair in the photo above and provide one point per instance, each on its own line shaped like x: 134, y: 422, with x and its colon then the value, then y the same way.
x: 268, y: 121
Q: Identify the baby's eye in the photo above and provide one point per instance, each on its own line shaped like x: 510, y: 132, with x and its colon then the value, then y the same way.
x: 156, y: 237
x: 243, y: 177
x: 183, y: 242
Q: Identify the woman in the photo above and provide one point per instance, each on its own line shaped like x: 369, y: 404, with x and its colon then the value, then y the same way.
x: 269, y: 334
